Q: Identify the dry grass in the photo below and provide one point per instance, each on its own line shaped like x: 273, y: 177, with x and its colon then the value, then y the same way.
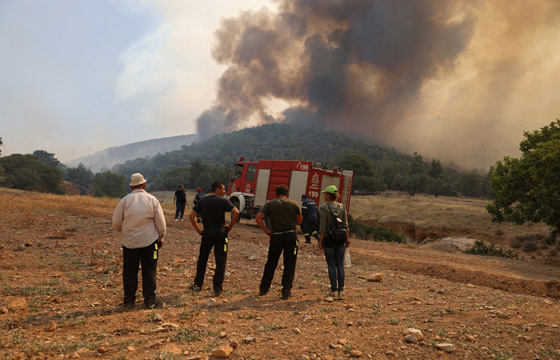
x: 25, y: 208
x: 466, y: 215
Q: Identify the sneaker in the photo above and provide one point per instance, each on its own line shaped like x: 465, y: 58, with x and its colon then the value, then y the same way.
x: 195, y: 288
x: 286, y: 294
x: 218, y: 293
x: 175, y: 219
x: 340, y: 295
x: 181, y: 219
x: 333, y: 294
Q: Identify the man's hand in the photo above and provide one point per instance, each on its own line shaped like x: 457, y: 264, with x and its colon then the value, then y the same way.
x: 194, y: 223
x: 160, y: 242
x: 260, y: 222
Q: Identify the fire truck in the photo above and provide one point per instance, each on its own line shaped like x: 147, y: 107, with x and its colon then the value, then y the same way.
x: 253, y: 183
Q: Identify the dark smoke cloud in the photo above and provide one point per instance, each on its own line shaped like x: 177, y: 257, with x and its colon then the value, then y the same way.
x: 354, y: 65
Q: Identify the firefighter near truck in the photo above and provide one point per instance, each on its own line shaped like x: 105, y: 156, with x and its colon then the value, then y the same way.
x: 252, y: 183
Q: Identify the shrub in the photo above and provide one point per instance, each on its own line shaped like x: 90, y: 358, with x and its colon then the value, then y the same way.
x: 365, y: 231
x: 480, y: 248
x: 527, y: 243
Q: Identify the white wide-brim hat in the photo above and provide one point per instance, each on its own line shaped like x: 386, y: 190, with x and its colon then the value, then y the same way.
x: 137, y: 179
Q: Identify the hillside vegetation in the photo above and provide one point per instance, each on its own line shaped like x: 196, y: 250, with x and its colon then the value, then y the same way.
x: 376, y: 168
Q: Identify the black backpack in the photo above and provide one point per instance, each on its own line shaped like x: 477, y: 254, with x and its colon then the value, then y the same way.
x: 336, y: 232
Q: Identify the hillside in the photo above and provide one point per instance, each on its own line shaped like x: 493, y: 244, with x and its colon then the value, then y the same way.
x: 106, y: 159
x: 61, y: 283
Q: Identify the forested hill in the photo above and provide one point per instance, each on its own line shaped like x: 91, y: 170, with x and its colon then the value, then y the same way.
x: 271, y: 142
x: 376, y: 168
x: 279, y: 142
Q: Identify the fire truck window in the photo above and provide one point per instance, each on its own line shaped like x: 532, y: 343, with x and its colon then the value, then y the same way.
x: 238, y: 171
x: 251, y: 171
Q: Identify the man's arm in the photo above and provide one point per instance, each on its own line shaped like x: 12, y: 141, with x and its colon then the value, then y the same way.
x: 260, y: 221
x: 159, y: 219
x: 192, y: 216
x: 118, y: 216
x: 234, y: 218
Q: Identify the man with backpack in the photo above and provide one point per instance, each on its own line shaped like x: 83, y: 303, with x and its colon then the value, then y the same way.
x: 333, y: 230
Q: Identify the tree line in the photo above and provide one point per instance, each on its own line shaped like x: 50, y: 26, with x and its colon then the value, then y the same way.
x: 376, y: 169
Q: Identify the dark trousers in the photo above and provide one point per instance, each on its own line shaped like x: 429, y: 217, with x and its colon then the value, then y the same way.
x: 217, y: 239
x: 288, y: 244
x: 180, y: 210
x: 132, y: 258
x: 335, y: 264
x: 309, y: 228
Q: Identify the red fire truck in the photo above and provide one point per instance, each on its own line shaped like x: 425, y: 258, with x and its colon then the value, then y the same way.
x: 253, y: 183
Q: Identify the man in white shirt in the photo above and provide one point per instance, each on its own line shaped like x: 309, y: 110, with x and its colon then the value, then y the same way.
x: 140, y: 218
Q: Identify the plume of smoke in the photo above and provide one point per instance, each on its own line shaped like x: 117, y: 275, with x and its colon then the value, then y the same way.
x: 409, y: 74
x: 344, y: 63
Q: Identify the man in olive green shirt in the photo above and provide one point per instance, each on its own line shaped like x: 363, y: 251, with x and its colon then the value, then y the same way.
x: 284, y: 215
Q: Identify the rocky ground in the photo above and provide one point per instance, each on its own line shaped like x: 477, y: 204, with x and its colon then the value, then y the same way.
x: 61, y: 284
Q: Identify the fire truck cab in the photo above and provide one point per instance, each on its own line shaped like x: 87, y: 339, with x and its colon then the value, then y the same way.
x: 253, y: 183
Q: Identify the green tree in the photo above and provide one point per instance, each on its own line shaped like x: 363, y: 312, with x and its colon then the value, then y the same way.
x: 81, y: 177
x: 366, y: 178
x: 27, y: 172
x: 417, y: 165
x: 527, y: 188
x: 435, y: 187
x: 436, y: 170
x: 417, y: 183
x: 47, y: 158
x: 486, y: 188
x: 470, y: 184
x: 109, y: 184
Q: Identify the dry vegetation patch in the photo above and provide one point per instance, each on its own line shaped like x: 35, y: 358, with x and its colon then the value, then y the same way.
x: 427, y: 218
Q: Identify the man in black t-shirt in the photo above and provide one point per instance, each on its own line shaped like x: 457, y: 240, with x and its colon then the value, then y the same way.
x: 212, y: 209
x: 180, y: 201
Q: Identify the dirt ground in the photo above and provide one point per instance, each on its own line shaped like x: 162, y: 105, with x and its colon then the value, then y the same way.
x: 61, y: 287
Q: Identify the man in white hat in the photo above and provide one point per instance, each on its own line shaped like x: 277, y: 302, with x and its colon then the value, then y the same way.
x: 140, y: 218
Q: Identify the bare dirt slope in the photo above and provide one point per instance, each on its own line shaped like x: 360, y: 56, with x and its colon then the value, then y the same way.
x: 61, y: 286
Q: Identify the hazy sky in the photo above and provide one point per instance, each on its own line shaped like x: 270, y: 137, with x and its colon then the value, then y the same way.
x: 455, y: 80
x: 79, y: 76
